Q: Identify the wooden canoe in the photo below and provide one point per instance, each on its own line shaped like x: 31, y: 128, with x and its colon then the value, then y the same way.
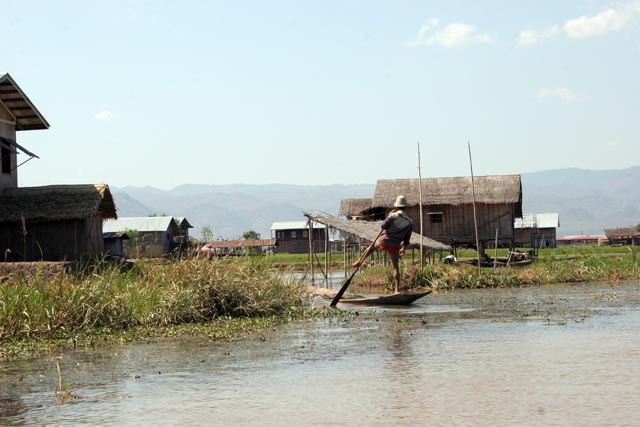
x: 394, y: 299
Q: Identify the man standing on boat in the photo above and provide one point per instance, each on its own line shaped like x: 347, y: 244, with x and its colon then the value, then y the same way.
x: 396, y: 233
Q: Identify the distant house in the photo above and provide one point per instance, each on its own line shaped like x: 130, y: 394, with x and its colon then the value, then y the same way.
x: 620, y: 236
x: 448, y: 208
x: 582, y: 240
x: 536, y: 230
x: 293, y: 236
x: 158, y: 235
x: 239, y: 247
x: 114, y: 243
x: 49, y: 223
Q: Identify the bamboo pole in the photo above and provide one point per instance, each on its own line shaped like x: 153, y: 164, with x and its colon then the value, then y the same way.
x: 420, y: 210
x: 311, y: 250
x: 475, y: 217
x: 495, y: 258
x: 326, y: 253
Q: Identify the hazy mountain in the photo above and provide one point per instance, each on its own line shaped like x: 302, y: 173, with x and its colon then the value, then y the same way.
x: 588, y: 201
x: 230, y: 210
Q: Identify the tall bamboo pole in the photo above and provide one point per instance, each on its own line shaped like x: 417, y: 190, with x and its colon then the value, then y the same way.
x: 420, y: 209
x: 313, y: 280
x: 475, y: 217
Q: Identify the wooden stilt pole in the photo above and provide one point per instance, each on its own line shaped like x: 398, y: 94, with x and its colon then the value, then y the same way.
x: 311, y: 250
x: 475, y: 217
x: 420, y: 210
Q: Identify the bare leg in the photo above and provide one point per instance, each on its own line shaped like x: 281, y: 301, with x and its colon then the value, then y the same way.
x: 395, y: 257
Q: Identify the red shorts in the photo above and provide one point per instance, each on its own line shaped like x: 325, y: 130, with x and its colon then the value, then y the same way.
x: 390, y: 249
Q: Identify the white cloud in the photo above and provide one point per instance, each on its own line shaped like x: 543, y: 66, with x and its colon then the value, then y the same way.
x: 453, y: 35
x: 602, y: 23
x: 558, y: 92
x: 104, y: 116
x: 531, y: 37
x: 613, y: 19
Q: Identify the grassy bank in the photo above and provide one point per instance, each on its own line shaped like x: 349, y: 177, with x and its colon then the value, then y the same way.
x: 551, y: 266
x: 104, y: 303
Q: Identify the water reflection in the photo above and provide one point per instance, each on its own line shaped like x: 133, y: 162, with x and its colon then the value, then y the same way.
x: 543, y: 356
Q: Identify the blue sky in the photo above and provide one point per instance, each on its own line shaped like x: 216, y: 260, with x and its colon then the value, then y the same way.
x: 163, y: 93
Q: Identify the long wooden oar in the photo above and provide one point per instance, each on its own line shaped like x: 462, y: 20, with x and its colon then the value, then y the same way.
x: 346, y: 284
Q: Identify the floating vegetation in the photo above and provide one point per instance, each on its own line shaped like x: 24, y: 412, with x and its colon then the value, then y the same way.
x: 61, y: 390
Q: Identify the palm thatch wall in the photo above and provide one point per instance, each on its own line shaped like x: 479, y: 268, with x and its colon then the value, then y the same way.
x: 447, y: 203
x: 54, y: 223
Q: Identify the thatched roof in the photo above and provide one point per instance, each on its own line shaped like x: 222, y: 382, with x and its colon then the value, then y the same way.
x: 620, y: 232
x: 27, y: 115
x: 56, y: 203
x: 353, y: 207
x: 368, y: 230
x: 450, y: 191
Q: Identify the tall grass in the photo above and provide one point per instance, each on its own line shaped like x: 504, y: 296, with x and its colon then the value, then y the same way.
x: 147, y: 295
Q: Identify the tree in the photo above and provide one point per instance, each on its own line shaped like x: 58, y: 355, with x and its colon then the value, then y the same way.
x: 250, y: 235
x: 206, y: 233
x: 638, y: 228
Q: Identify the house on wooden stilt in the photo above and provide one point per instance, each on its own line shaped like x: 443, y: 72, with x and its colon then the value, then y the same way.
x: 448, y: 208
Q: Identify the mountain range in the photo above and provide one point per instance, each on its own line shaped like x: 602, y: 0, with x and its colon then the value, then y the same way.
x: 588, y: 201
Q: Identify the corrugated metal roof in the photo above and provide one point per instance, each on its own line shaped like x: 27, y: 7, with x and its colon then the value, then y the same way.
x: 27, y: 115
x: 294, y: 225
x: 545, y: 220
x: 142, y: 224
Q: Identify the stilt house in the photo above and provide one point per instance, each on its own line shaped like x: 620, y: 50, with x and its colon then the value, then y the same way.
x: 448, y: 207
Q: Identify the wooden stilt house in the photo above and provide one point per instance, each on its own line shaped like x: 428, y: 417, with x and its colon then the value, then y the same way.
x: 448, y: 207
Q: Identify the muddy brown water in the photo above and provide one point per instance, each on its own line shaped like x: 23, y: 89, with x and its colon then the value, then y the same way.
x: 547, y: 356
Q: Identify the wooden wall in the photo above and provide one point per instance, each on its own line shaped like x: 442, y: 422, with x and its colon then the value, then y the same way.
x: 457, y: 223
x: 70, y: 240
x: 8, y: 179
x: 300, y: 243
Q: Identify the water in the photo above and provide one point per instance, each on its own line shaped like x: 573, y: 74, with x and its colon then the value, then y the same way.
x: 504, y: 357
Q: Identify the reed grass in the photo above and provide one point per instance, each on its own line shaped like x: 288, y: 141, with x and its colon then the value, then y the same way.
x: 148, y: 295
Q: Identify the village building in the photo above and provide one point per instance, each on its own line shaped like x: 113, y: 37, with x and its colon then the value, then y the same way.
x: 621, y: 236
x: 222, y: 248
x: 48, y: 223
x: 582, y: 240
x: 536, y: 230
x: 149, y: 237
x: 452, y: 207
x: 293, y: 236
x: 114, y: 243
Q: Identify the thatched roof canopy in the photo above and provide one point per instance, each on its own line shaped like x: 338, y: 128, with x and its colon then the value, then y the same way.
x: 368, y: 230
x: 56, y: 203
x: 450, y: 191
x: 351, y: 207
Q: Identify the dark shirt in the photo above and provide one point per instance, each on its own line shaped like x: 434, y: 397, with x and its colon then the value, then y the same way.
x: 397, y: 228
